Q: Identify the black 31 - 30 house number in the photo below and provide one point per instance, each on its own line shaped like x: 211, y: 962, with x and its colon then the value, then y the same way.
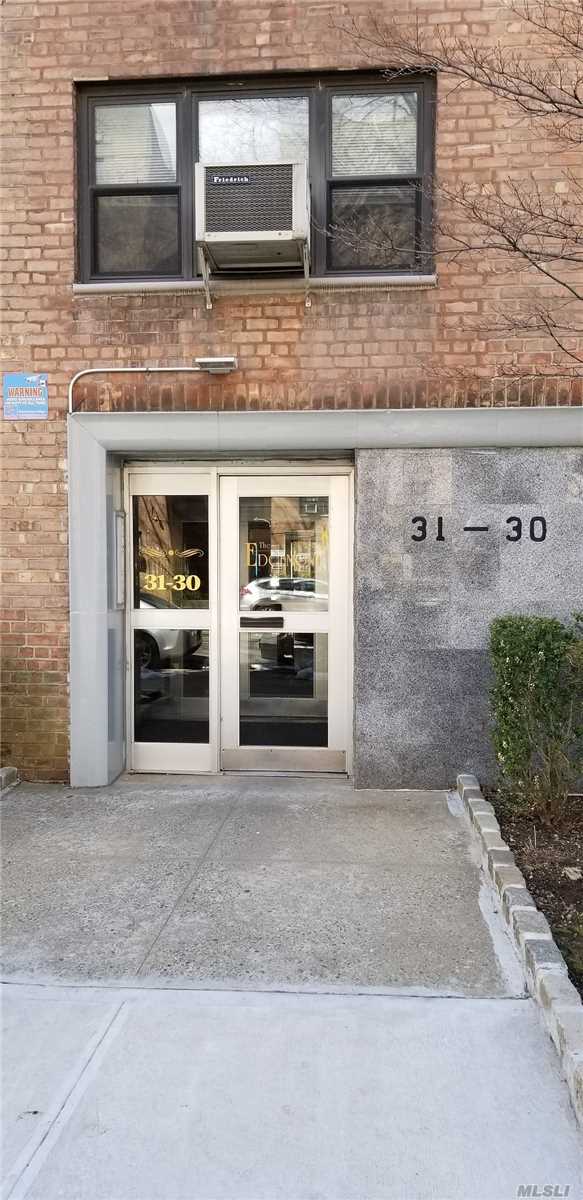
x: 536, y: 530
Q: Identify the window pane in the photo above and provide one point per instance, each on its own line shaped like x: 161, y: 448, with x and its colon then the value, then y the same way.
x: 263, y: 130
x: 372, y: 228
x: 135, y: 143
x: 374, y: 135
x: 137, y: 234
x: 283, y: 689
x: 171, y: 685
x: 283, y: 546
x: 171, y: 552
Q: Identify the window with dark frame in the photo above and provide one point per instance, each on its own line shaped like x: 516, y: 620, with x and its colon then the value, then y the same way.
x: 369, y: 146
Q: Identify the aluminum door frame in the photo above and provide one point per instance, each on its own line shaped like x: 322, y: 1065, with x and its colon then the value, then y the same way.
x: 335, y: 623
x: 150, y: 475
x: 173, y: 757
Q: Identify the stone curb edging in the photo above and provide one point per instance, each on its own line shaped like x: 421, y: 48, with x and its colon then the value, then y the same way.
x: 9, y: 777
x: 543, y: 964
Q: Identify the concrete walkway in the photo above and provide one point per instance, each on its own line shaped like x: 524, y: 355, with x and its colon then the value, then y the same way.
x: 254, y: 989
x: 246, y: 883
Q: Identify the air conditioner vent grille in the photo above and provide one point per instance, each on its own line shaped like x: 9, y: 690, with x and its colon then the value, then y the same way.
x: 265, y: 202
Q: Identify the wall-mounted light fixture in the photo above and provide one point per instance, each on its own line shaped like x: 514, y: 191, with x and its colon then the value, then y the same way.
x: 217, y: 366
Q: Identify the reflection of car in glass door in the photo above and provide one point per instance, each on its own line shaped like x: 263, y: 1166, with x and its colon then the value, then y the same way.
x: 277, y: 592
x: 157, y: 646
x: 170, y: 678
x: 163, y: 653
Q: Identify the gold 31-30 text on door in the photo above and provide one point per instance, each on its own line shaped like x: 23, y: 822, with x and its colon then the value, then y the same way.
x: 176, y: 583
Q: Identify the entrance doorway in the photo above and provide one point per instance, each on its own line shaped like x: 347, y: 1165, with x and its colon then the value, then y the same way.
x: 239, y: 619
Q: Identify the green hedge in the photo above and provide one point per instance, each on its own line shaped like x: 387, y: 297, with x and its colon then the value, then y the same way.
x: 535, y: 700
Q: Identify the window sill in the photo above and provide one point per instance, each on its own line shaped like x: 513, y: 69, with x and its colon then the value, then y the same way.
x: 221, y: 287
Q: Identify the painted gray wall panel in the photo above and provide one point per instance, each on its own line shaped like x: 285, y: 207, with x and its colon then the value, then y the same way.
x: 96, y: 637
x: 116, y: 747
x: 423, y: 609
x: 88, y: 599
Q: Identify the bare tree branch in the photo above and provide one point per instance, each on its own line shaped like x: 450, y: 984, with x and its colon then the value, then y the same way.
x: 512, y: 223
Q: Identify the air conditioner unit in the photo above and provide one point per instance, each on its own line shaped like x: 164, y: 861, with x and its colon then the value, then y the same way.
x: 253, y: 218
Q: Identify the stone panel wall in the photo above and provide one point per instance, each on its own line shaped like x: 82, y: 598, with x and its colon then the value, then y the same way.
x: 423, y: 608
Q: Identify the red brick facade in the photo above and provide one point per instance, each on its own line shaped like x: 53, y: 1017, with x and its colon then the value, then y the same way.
x: 350, y: 349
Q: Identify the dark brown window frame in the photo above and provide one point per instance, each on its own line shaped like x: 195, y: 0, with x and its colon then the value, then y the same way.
x: 319, y: 88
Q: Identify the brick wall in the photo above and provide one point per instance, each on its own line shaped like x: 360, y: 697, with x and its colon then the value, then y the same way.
x: 349, y: 349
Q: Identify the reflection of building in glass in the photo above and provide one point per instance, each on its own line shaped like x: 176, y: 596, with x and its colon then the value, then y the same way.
x: 135, y: 143
x: 171, y: 539
x: 279, y: 538
x: 374, y: 135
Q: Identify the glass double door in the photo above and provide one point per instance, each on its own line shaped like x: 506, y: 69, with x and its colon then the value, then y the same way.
x: 239, y: 621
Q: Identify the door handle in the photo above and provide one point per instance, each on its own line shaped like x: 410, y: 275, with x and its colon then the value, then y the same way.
x: 261, y: 623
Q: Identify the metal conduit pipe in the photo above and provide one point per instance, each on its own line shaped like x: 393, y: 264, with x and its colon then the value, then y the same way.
x: 144, y: 371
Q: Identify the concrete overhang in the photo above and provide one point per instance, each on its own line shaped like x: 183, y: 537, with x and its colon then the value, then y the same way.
x: 220, y: 433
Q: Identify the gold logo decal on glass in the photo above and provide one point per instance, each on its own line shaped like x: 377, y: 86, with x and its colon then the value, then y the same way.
x: 153, y: 552
x: 302, y: 559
